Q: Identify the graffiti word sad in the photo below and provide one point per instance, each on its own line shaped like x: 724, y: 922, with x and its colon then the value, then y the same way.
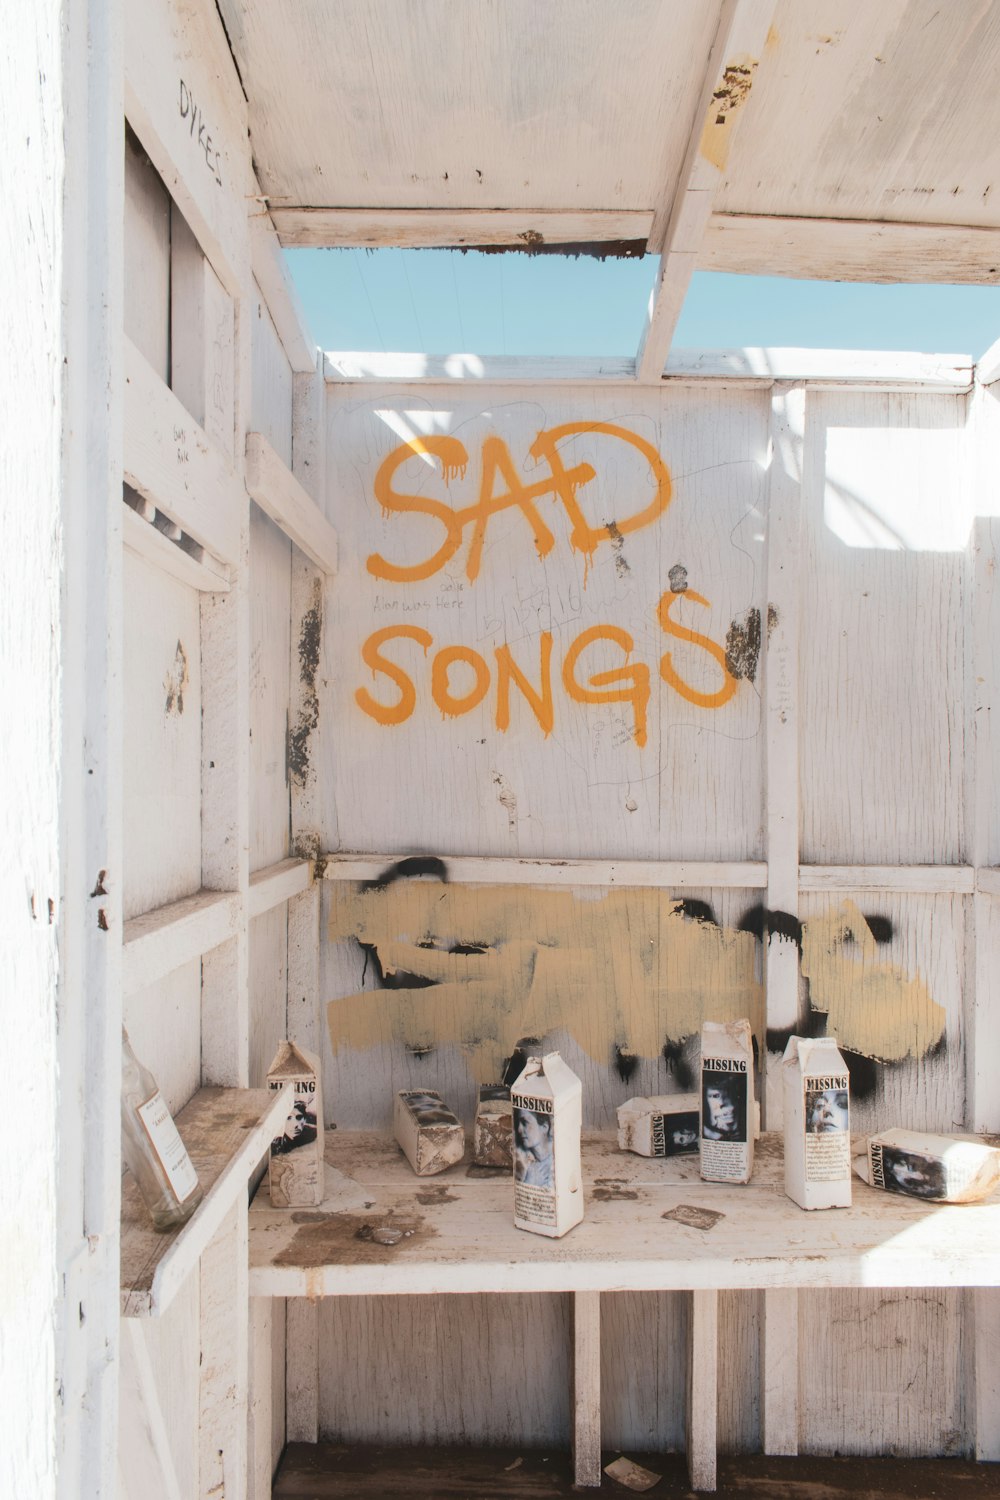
x: 502, y: 488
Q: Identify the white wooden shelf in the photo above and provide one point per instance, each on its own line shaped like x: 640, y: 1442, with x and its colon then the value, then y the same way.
x: 458, y: 1236
x: 276, y: 490
x: 226, y: 1132
x: 464, y: 1240
x: 160, y: 941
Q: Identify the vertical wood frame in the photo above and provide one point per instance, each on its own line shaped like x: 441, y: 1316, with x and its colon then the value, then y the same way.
x: 781, y: 673
x: 587, y: 1389
x: 87, y: 908
x: 702, y: 1389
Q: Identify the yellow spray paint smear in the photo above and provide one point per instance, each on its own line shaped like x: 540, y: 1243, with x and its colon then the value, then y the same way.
x: 625, y: 968
x: 874, y: 1008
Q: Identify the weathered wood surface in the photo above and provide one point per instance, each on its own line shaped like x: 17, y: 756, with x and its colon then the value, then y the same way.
x: 161, y: 940
x: 276, y: 490
x: 746, y: 367
x: 171, y: 460
x: 162, y: 762
x: 463, y: 1239
x: 226, y: 1132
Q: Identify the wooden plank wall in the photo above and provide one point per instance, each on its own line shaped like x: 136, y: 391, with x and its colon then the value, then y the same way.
x: 207, y: 691
x: 870, y: 666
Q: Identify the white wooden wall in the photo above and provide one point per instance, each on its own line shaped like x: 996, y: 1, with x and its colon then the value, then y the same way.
x: 208, y: 741
x: 209, y: 663
x: 855, y: 761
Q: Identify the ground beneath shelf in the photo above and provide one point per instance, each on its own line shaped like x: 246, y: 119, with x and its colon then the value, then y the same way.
x: 328, y: 1471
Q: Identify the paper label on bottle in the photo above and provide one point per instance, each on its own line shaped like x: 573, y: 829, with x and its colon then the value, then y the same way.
x: 170, y: 1150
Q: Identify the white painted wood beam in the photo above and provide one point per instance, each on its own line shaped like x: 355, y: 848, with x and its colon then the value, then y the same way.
x: 739, y: 42
x: 702, y: 1389
x: 277, y: 884
x: 163, y: 940
x: 302, y: 1371
x: 779, y: 1361
x: 202, y: 573
x: 516, y: 229
x: 170, y: 460
x: 741, y: 875
x: 850, y: 250
x: 957, y: 880
x: 988, y: 367
x: 587, y: 1389
x: 223, y: 1373
x: 824, y: 368
x: 227, y: 1132
x: 781, y: 736
x: 184, y: 102
x: 276, y: 490
x: 483, y: 870
x: 272, y: 275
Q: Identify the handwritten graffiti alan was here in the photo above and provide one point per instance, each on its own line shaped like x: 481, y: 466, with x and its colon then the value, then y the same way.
x: 599, y: 663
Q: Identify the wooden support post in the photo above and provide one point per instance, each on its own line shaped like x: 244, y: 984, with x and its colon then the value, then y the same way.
x: 702, y: 1389
x: 781, y: 628
x: 587, y: 1388
x: 981, y: 1306
x: 264, y: 1311
x: 222, y: 1401
x: 982, y: 1314
x: 779, y: 1363
x: 145, y: 1458
x: 302, y: 1371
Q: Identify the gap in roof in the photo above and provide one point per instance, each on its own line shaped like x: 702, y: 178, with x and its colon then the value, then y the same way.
x: 441, y: 302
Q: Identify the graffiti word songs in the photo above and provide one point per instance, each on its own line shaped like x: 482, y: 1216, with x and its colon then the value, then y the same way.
x: 190, y: 110
x: 628, y: 683
x: 502, y: 488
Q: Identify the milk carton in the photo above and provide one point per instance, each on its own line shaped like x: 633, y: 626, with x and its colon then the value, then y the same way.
x: 728, y: 1110
x: 548, y: 1185
x: 491, y: 1145
x: 817, y: 1123
x: 295, y: 1171
x: 662, y: 1125
x: 429, y: 1133
x: 940, y: 1168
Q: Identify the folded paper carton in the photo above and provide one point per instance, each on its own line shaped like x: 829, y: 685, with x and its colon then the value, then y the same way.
x: 429, y: 1133
x: 548, y: 1185
x: 662, y: 1125
x: 295, y: 1172
x: 817, y: 1123
x: 728, y: 1109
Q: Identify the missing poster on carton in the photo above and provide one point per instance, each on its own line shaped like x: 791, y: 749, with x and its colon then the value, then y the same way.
x: 727, y: 1102
x: 817, y: 1126
x: 939, y: 1168
x: 295, y: 1175
x: 548, y: 1184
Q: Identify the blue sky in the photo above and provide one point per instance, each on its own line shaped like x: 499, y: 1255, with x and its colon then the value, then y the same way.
x: 443, y: 302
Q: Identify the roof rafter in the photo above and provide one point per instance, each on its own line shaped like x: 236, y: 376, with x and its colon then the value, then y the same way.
x: 739, y: 41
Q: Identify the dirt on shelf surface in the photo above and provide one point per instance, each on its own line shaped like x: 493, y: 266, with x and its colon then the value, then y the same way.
x: 332, y: 1471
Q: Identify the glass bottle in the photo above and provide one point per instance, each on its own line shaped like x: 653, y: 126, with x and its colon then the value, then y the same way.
x: 153, y: 1150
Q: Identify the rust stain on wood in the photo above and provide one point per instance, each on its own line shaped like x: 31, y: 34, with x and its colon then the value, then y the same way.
x: 310, y: 641
x: 348, y: 1240
x: 176, y: 681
